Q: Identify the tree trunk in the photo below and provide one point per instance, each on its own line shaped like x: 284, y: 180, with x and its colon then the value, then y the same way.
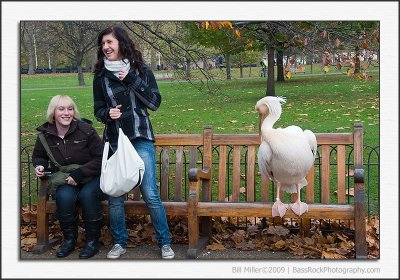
x: 241, y: 70
x: 153, y: 59
x: 79, y: 60
x: 357, y: 65
x: 279, y: 66
x: 187, y: 70
x: 81, y: 80
x: 271, y: 73
x: 31, y: 51
x: 228, y: 66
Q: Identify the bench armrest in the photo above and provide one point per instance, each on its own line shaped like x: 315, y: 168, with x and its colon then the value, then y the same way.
x: 359, y: 175
x: 195, y: 174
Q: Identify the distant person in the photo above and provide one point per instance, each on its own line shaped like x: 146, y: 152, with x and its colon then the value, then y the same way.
x: 73, y: 141
x: 123, y: 89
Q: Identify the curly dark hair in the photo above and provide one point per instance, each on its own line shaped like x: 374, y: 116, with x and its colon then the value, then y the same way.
x: 126, y: 48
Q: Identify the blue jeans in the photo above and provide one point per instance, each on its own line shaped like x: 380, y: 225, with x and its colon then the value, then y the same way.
x: 149, y: 190
x: 87, y: 196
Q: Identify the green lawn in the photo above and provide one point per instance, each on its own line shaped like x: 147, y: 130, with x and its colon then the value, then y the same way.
x: 321, y: 103
x: 324, y: 103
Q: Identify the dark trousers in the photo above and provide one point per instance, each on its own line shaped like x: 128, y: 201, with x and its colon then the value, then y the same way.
x: 87, y: 196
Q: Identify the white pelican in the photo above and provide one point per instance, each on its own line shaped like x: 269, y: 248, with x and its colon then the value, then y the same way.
x: 285, y: 155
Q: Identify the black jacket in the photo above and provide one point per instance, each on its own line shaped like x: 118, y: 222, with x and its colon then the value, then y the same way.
x: 81, y: 145
x: 135, y: 93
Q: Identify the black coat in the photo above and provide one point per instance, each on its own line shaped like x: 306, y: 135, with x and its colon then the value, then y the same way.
x: 81, y: 145
x: 135, y: 93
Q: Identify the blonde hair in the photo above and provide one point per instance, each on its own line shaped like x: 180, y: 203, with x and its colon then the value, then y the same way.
x: 61, y: 100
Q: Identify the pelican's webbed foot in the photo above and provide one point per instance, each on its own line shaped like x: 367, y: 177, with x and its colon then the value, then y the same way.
x: 279, y: 209
x: 299, y: 208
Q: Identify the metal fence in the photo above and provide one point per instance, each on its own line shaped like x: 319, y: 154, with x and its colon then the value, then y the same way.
x: 29, y: 184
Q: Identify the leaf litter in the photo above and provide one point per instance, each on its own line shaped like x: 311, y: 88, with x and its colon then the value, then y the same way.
x: 326, y: 239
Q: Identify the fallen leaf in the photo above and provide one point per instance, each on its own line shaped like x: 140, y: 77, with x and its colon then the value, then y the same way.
x: 278, y: 230
x: 215, y: 247
x: 280, y: 244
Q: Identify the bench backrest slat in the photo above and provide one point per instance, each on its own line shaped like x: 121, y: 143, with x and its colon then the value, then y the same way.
x: 193, y: 157
x: 235, y: 174
x: 207, y: 162
x: 341, y: 174
x: 164, y: 180
x: 222, y: 173
x: 250, y: 173
x: 310, y: 186
x: 136, y: 194
x: 178, y: 190
x: 325, y: 174
x: 265, y: 197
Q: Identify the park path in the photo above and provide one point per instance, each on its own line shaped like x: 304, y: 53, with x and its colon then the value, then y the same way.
x: 167, y: 81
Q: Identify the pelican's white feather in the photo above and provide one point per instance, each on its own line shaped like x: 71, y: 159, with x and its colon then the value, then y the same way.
x: 285, y: 154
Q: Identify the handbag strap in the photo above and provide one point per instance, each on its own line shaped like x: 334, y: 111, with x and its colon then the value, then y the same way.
x: 46, y: 147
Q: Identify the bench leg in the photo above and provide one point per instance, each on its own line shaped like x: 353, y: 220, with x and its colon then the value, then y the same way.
x: 196, y: 242
x: 360, y: 231
x: 194, y: 251
x: 42, y: 226
x: 41, y: 248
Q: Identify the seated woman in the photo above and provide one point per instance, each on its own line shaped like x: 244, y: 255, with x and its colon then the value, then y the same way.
x: 73, y: 141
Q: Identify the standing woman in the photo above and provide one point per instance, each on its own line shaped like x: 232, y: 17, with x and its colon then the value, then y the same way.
x: 123, y: 89
x: 73, y: 141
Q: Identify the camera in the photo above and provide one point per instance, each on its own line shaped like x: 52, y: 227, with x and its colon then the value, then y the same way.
x: 47, y: 173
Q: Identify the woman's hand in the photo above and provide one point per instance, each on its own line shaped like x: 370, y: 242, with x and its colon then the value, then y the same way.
x: 122, y: 74
x: 39, y: 171
x: 71, y: 181
x: 115, y: 113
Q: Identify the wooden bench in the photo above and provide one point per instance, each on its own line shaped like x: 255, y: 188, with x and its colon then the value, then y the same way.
x: 219, y: 166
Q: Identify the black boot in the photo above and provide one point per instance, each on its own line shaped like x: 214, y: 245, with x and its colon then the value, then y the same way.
x: 69, y: 226
x: 91, y: 248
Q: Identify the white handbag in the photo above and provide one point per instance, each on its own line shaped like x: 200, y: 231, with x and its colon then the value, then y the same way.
x: 123, y: 171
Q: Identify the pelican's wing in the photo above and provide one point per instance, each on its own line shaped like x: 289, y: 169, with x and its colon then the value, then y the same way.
x: 264, y: 158
x: 312, y: 141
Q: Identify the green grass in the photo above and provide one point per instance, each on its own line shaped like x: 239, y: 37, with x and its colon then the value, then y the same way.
x: 329, y: 103
x: 53, y: 80
x: 321, y: 103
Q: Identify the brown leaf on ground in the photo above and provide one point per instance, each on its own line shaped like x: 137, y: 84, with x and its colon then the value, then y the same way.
x: 331, y: 255
x: 279, y: 245
x: 246, y: 246
x: 239, y: 236
x: 278, y: 230
x: 215, y: 247
x: 252, y: 230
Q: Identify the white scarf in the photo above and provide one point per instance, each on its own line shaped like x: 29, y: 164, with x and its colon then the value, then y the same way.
x: 118, y: 65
